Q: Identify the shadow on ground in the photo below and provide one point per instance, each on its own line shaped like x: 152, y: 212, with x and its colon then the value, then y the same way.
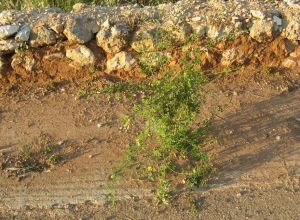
x: 260, y: 142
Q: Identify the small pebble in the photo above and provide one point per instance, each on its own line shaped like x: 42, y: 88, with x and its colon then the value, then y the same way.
x: 61, y: 142
x: 278, y: 137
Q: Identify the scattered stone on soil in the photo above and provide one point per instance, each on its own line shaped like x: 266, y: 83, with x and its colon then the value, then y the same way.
x: 289, y: 63
x: 262, y: 34
x: 81, y: 55
x: 23, y: 61
x: 8, y: 46
x: 232, y: 56
x: 121, y: 61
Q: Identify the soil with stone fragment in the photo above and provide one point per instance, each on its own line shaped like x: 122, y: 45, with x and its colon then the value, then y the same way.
x: 256, y: 123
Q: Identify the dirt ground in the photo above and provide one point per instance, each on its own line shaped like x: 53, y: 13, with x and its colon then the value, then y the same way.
x: 256, y: 122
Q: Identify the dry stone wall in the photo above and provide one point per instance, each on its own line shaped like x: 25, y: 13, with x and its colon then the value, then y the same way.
x: 119, y: 31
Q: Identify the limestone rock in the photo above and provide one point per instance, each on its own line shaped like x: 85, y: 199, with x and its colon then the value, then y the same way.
x: 54, y: 56
x: 296, y: 53
x: 29, y: 63
x: 232, y: 56
x: 42, y: 36
x: 199, y: 29
x: 293, y: 3
x: 113, y: 40
x: 8, y: 30
x: 23, y: 34
x: 278, y: 21
x: 149, y: 39
x: 180, y: 31
x: 264, y: 30
x: 20, y: 61
x: 92, y: 25
x: 293, y: 60
x: 16, y: 62
x: 8, y: 46
x: 258, y: 14
x: 143, y: 41
x: 7, y: 16
x: 292, y: 31
x: 289, y: 63
x: 77, y: 30
x: 121, y: 61
x: 81, y: 55
x: 214, y: 32
x: 228, y: 57
x: 57, y: 24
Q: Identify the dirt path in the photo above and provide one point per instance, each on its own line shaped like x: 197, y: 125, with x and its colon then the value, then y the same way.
x: 258, y: 157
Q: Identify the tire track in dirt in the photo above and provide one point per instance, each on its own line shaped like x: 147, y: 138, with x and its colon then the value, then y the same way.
x: 259, y: 147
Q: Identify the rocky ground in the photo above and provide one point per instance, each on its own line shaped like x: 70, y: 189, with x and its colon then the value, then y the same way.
x: 51, y: 60
x: 124, y: 32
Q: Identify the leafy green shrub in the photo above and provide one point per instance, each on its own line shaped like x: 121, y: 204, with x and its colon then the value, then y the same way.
x: 168, y: 147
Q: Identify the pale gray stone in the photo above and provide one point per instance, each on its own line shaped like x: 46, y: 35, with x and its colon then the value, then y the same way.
x: 29, y: 63
x: 77, y: 30
x: 143, y: 40
x: 23, y: 34
x: 8, y: 46
x: 42, y: 36
x: 81, y: 55
x: 257, y: 14
x: 289, y: 63
x: 293, y: 3
x: 178, y: 31
x: 121, y: 61
x: 7, y: 31
x: 23, y: 61
x: 232, y: 56
x: 113, y: 39
x: 264, y: 30
x: 292, y: 30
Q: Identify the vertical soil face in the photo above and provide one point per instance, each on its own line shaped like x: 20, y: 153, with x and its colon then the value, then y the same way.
x: 51, y: 65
